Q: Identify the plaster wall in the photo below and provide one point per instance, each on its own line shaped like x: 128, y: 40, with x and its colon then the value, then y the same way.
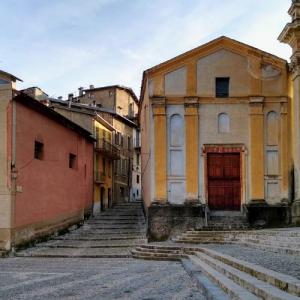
x: 5, y: 160
x: 175, y: 82
x: 48, y: 188
x: 223, y: 63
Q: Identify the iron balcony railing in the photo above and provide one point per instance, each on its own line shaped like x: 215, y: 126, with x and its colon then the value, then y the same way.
x: 99, y: 177
x: 107, y: 149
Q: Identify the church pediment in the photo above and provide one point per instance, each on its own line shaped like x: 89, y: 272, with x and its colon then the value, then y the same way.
x: 222, y: 43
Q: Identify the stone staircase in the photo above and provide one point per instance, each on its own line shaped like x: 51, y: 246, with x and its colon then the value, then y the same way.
x: 207, y: 236
x: 284, y: 241
x: 110, y: 234
x: 223, y: 276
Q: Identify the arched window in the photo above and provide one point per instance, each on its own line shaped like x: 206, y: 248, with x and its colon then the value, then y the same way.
x: 272, y: 128
x: 223, y: 123
x: 176, y: 130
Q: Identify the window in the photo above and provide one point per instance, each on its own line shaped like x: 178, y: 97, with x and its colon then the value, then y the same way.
x: 72, y: 161
x: 138, y: 159
x: 222, y: 87
x: 38, y: 150
x: 137, y: 178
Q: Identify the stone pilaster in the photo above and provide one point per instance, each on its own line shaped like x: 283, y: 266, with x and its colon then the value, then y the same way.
x: 192, y: 148
x: 160, y: 148
x: 291, y: 36
x: 257, y: 192
x: 284, y: 151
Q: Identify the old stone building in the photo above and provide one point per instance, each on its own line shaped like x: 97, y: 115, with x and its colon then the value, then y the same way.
x: 217, y: 128
x: 119, y: 106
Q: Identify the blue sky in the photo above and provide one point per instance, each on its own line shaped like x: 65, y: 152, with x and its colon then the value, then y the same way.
x: 60, y: 45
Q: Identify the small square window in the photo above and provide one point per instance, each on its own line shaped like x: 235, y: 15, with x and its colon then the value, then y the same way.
x: 38, y: 150
x: 222, y: 87
x: 72, y: 161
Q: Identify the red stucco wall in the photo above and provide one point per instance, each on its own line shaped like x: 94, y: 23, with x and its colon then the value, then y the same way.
x: 48, y: 188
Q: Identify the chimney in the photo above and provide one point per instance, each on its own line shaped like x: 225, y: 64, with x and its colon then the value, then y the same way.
x: 91, y: 86
x: 70, y: 99
x: 80, y: 89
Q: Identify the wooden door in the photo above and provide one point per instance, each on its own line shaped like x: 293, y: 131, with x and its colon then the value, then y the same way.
x: 224, y: 183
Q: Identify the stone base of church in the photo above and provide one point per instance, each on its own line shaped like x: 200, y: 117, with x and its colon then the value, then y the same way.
x: 166, y: 220
x: 295, y: 213
x: 261, y: 214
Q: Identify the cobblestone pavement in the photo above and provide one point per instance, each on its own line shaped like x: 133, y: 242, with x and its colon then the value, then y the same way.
x: 40, y: 278
x: 283, y: 263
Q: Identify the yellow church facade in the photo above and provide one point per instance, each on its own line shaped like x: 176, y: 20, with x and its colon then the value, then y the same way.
x: 217, y: 138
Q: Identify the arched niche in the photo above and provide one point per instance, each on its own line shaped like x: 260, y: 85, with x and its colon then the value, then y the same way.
x: 176, y: 130
x: 223, y: 123
x: 272, y: 128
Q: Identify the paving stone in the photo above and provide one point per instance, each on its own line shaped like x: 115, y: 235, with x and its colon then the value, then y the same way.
x: 58, y: 278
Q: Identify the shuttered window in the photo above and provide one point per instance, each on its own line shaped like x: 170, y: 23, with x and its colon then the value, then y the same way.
x: 222, y: 87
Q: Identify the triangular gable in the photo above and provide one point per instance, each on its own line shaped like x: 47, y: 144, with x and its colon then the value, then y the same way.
x: 222, y: 42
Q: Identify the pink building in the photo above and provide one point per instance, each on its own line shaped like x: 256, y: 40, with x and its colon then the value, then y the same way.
x: 46, y: 162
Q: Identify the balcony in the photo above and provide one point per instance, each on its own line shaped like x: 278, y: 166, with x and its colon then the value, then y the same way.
x: 107, y: 149
x: 99, y: 177
x: 137, y: 143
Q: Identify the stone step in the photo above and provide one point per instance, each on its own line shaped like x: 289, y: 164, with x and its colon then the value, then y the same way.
x: 210, y: 289
x: 255, y: 286
x: 100, y: 238
x: 283, y: 232
x: 107, y: 232
x: 77, y: 253
x: 199, y: 241
x: 279, y: 280
x: 108, y: 226
x: 276, y: 249
x: 120, y: 222
x: 271, y: 238
x: 155, y: 256
x: 288, y: 244
x: 234, y: 290
x: 92, y: 244
x: 117, y: 218
x: 116, y: 234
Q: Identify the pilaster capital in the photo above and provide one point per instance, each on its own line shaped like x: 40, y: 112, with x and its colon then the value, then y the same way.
x: 256, y: 105
x: 283, y: 108
x: 191, y: 106
x: 158, y: 106
x: 191, y: 101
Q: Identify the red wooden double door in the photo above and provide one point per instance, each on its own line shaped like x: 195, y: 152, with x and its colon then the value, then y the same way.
x: 224, y: 181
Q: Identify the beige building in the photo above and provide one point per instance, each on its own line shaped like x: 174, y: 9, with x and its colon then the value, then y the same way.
x: 217, y: 132
x: 119, y: 106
